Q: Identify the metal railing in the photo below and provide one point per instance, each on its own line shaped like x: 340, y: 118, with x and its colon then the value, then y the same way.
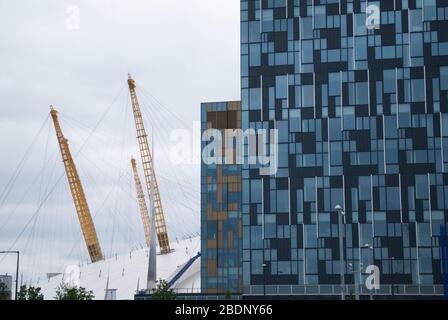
x: 322, y: 289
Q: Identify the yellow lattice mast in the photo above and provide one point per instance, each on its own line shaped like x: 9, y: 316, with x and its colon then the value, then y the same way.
x: 141, y: 203
x: 145, y: 152
x: 79, y: 198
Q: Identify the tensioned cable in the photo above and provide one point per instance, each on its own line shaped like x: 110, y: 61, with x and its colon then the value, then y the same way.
x: 165, y: 120
x: 156, y: 116
x: 10, y: 184
x: 61, y: 176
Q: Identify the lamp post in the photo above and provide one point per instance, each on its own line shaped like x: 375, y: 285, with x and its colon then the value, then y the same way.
x: 341, y: 213
x: 370, y: 248
x: 17, y: 269
x: 355, y: 278
x: 264, y: 265
x: 392, y: 275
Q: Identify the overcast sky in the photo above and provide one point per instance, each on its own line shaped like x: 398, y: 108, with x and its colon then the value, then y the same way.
x: 180, y: 53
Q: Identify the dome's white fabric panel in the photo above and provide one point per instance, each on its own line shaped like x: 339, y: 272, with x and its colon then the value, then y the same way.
x: 128, y: 271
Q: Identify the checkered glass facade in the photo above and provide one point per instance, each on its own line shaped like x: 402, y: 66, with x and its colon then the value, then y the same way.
x: 362, y: 113
x: 221, y: 231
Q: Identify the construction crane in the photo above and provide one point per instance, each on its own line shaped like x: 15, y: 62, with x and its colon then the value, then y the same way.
x: 145, y: 152
x: 141, y: 203
x: 79, y: 198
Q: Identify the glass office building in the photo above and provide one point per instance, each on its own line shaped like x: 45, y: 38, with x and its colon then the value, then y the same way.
x: 361, y: 106
x: 221, y: 229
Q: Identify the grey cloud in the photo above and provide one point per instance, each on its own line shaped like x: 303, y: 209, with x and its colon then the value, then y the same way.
x: 182, y: 52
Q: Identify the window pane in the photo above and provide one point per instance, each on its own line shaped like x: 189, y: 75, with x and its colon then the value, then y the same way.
x: 307, y: 96
x: 415, y: 20
x: 418, y: 90
x: 281, y: 89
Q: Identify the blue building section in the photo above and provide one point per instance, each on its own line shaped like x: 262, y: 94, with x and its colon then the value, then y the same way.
x: 221, y: 231
x: 444, y: 258
x: 362, y: 116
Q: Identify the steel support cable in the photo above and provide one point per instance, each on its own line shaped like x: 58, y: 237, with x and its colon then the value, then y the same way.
x: 114, y: 220
x: 187, y: 188
x: 44, y: 162
x: 76, y: 237
x: 24, y: 251
x: 117, y: 195
x: 162, y: 105
x: 176, y: 180
x: 97, y: 124
x: 20, y: 202
x: 36, y: 245
x: 143, y: 92
x: 112, y: 180
x: 114, y: 188
x: 113, y: 165
x: 10, y: 184
x: 111, y: 246
x: 125, y: 130
x: 55, y: 161
x: 126, y: 219
x: 34, y: 221
x: 34, y: 232
x: 60, y: 232
x: 34, y: 214
x: 62, y: 175
x: 75, y: 123
x: 103, y: 137
x: 163, y: 120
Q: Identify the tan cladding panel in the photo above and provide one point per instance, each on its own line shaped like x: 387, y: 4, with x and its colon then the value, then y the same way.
x: 229, y: 239
x: 233, y: 179
x: 233, y: 206
x: 214, y: 290
x: 231, y: 105
x: 218, y: 216
x: 212, y: 268
x: 223, y: 120
x: 234, y: 187
x: 234, y: 105
x: 211, y: 244
x: 219, y: 234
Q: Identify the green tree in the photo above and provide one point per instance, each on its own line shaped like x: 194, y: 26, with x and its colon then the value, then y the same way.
x: 350, y: 296
x: 163, y: 291
x: 228, y: 295
x: 64, y: 292
x: 31, y: 293
x: 4, y: 293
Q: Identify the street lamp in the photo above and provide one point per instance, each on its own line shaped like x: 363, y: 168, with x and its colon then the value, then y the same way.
x: 264, y: 265
x: 17, y: 268
x: 392, y: 275
x: 355, y: 278
x: 341, y: 213
x: 370, y: 248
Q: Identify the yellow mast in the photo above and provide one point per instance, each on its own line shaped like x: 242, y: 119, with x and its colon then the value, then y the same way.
x: 145, y: 152
x: 141, y: 203
x: 79, y: 198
